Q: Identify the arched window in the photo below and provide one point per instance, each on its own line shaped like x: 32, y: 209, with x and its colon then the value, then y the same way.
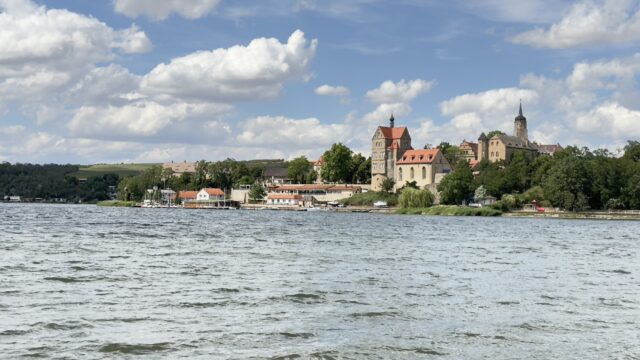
x: 412, y: 174
x: 400, y: 174
x: 424, y: 172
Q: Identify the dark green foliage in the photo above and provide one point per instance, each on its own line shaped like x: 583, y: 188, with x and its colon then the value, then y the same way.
x: 458, y: 186
x: 257, y: 192
x: 51, y: 182
x: 337, y: 164
x: 298, y: 169
x: 387, y: 185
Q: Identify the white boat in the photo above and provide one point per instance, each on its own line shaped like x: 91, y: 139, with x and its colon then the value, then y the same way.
x: 380, y: 204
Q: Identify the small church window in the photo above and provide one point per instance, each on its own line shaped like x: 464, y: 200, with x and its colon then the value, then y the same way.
x: 400, y: 174
x: 424, y: 172
x: 412, y: 174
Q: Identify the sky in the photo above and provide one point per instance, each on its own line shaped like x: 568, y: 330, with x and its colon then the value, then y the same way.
x: 110, y: 81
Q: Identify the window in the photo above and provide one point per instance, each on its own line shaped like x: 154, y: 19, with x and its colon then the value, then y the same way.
x: 400, y: 174
x: 497, y: 154
x: 412, y: 174
x: 492, y: 154
x: 424, y: 172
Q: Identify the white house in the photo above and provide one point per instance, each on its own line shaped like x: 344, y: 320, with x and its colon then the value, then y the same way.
x: 210, y: 194
x: 284, y: 199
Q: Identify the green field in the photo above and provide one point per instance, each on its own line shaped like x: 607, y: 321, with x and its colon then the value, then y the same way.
x: 119, y: 169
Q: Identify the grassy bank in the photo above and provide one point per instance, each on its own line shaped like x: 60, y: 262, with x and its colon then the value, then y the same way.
x: 119, y: 169
x: 117, y: 203
x: 446, y: 210
x: 370, y: 197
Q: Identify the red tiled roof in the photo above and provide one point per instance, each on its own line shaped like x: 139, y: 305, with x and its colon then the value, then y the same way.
x: 188, y: 195
x: 319, y: 161
x: 418, y: 156
x: 394, y: 145
x: 213, y: 191
x: 393, y: 133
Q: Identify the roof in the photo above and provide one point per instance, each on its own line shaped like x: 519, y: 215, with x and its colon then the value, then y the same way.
x: 514, y: 141
x: 425, y: 156
x: 393, y: 133
x: 188, y: 194
x: 279, y: 172
x: 472, y: 145
x: 213, y: 191
x: 284, y: 196
x: 549, y: 149
x: 316, y: 187
x: 319, y: 161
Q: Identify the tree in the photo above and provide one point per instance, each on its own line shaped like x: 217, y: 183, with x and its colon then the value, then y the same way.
x: 566, y: 185
x: 361, y: 169
x: 456, y: 187
x: 257, y: 192
x: 415, y: 198
x: 298, y: 169
x: 387, y: 184
x: 337, y: 164
x: 451, y: 152
x: 480, y: 193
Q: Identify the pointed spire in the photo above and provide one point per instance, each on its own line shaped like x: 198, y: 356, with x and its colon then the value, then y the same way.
x: 520, y: 113
x: 391, y: 121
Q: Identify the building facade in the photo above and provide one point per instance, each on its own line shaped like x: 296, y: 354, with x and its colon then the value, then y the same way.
x: 388, y: 145
x: 421, y: 166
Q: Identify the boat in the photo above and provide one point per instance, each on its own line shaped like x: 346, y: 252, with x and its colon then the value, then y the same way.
x: 380, y: 204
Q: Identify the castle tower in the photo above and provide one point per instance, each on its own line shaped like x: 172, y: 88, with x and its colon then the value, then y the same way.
x: 520, y: 126
x: 483, y: 147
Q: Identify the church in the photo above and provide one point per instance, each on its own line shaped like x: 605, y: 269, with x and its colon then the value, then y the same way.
x: 501, y: 147
x: 393, y: 157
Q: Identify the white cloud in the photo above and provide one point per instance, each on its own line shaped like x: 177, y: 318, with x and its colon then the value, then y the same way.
x: 145, y: 120
x: 280, y: 132
x: 400, y: 92
x: 384, y: 111
x: 162, y: 9
x: 610, y: 119
x: 588, y: 23
x: 45, y: 50
x: 255, y: 71
x: 497, y: 101
x: 328, y: 90
x: 522, y: 11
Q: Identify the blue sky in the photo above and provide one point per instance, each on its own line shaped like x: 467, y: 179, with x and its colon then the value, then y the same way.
x: 160, y: 80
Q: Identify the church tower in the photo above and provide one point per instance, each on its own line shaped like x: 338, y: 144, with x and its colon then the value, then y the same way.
x: 520, y: 126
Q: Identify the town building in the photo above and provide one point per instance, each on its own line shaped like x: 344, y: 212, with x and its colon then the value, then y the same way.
x: 317, y: 167
x: 285, y: 199
x: 468, y: 150
x: 180, y: 168
x: 314, y: 193
x: 393, y: 157
x: 501, y: 147
x: 425, y: 167
x: 188, y: 195
x: 388, y: 145
x: 210, y: 194
x: 275, y: 175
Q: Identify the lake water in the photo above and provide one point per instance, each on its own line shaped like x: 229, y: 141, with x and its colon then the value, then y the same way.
x: 90, y: 283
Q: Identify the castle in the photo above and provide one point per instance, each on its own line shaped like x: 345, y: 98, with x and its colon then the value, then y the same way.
x: 501, y: 147
x: 393, y: 157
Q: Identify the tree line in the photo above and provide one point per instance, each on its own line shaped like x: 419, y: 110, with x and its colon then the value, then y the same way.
x: 573, y: 179
x: 51, y: 182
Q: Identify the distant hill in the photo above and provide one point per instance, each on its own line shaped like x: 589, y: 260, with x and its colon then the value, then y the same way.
x: 120, y: 169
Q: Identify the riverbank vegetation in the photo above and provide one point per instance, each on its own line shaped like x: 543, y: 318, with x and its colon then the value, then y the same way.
x: 370, y: 197
x: 51, y: 182
x: 450, y: 210
x: 573, y: 179
x: 117, y: 203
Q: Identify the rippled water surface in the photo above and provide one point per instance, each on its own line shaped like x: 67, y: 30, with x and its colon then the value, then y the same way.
x: 90, y: 283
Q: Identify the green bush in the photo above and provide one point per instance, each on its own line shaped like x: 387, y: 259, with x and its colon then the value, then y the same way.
x: 370, y: 197
x: 414, y: 198
x: 444, y: 210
